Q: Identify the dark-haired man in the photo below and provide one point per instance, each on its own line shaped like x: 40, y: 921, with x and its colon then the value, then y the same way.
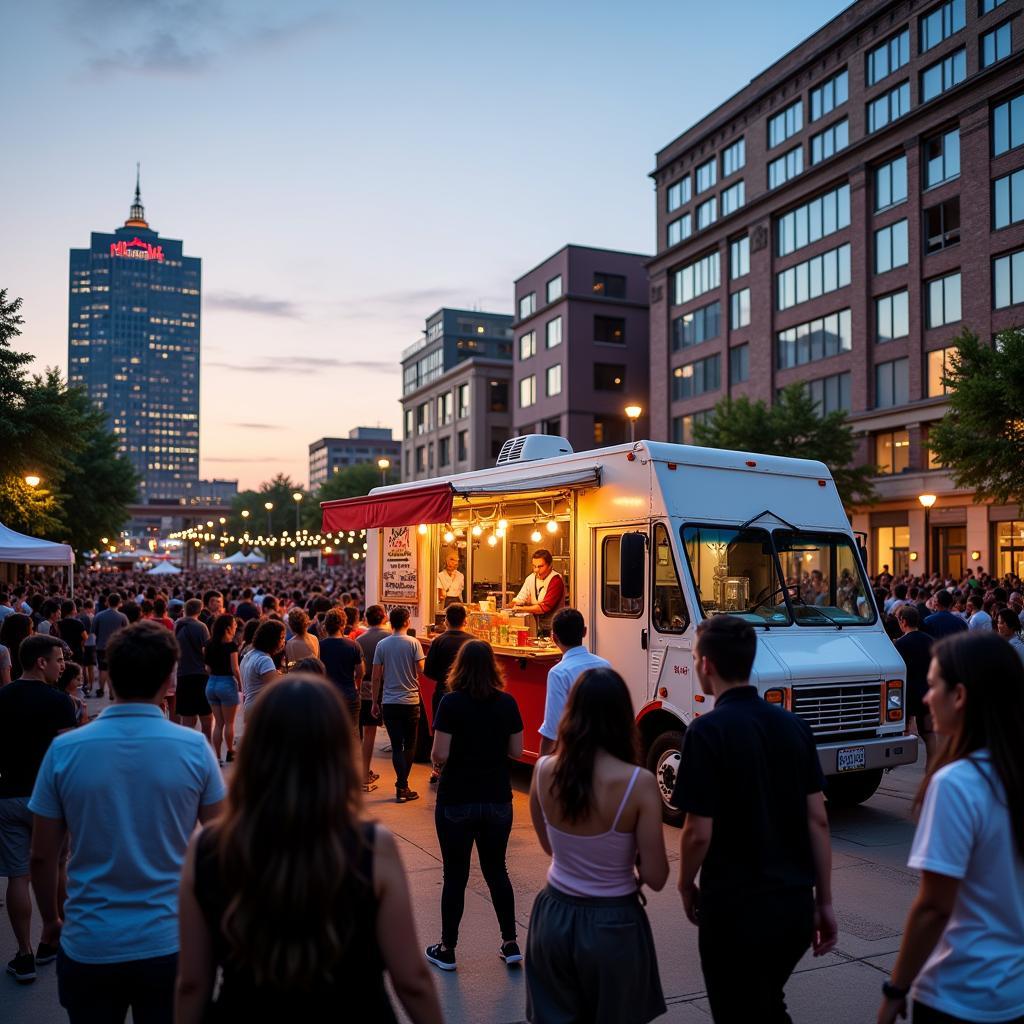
x: 188, y: 700
x: 368, y: 721
x: 942, y: 622
x: 119, y: 937
x: 915, y: 648
x: 443, y: 651
x: 756, y: 829
x: 105, y: 625
x: 32, y: 712
x: 246, y: 609
x: 213, y: 605
x: 542, y: 592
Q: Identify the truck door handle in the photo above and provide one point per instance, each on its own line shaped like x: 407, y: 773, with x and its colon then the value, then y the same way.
x: 643, y: 639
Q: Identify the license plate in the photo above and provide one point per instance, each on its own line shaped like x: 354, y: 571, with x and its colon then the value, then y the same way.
x: 850, y: 759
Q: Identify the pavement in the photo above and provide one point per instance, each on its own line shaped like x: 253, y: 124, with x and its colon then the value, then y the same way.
x: 872, y: 891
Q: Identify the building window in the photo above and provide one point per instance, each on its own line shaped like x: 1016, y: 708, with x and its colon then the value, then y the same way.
x: 527, y: 345
x: 678, y: 194
x: 421, y: 459
x: 830, y: 141
x: 1008, y: 274
x: 817, y: 339
x: 941, y: 158
x: 678, y: 229
x: 527, y: 392
x: 830, y: 394
x: 733, y: 198
x: 785, y: 124
x: 611, y: 286
x: 422, y: 418
x: 739, y: 257
x: 707, y: 213
x: 1008, y: 199
x: 444, y: 409
x: 943, y: 75
x: 553, y: 383
x: 553, y: 289
x: 892, y: 383
x: 609, y: 377
x: 889, y: 107
x: 553, y: 333
x: 891, y: 247
x: 832, y: 93
x: 497, y: 398
x: 892, y: 452
x: 739, y: 309
x: 408, y: 462
x: 696, y: 278
x: 891, y: 184
x: 942, y: 22
x: 817, y: 219
x: 1008, y: 125
x: 696, y: 378
x: 527, y: 305
x: 943, y: 301
x: 408, y: 422
x: 892, y: 317
x: 463, y: 403
x: 996, y: 45
x: 444, y: 451
x: 939, y: 367
x: 739, y: 364
x: 787, y: 166
x: 696, y: 326
x: 682, y: 426
x: 734, y: 157
x: 890, y: 56
x: 552, y: 427
x: 706, y: 175
x: 988, y: 6
x: 462, y: 445
x: 610, y: 329
x: 816, y: 276
x: 942, y: 225
x: 610, y: 430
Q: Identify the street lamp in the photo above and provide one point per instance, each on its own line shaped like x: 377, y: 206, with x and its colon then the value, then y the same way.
x: 269, y: 506
x: 297, y: 498
x: 927, y: 500
x: 32, y: 480
x: 383, y: 465
x: 633, y: 412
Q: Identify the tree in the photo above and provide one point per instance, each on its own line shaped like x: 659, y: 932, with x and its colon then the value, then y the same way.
x: 981, y: 437
x: 793, y: 427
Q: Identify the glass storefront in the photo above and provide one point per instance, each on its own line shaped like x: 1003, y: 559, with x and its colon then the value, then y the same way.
x: 892, y: 549
x: 1009, y: 547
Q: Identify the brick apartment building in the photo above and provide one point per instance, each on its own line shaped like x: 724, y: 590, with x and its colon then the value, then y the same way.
x: 838, y: 222
x: 581, y: 346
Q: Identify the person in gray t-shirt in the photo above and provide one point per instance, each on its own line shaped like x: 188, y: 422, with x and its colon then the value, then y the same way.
x: 397, y: 663
x: 105, y: 625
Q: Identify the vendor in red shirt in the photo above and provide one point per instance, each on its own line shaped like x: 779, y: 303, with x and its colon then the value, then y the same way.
x: 543, y: 592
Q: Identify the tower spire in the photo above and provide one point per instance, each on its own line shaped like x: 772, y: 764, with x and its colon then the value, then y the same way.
x: 137, y: 216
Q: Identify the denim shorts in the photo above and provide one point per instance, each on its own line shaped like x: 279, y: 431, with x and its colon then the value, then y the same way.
x: 223, y: 690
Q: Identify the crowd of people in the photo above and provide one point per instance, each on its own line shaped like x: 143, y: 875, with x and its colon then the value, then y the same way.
x: 167, y: 889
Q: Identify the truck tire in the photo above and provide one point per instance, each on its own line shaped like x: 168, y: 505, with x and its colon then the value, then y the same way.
x: 848, y: 790
x: 663, y: 761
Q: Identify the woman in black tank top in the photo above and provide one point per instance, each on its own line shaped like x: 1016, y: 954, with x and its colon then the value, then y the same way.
x: 292, y: 903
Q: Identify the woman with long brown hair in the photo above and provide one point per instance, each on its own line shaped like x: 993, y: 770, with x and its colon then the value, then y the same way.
x: 590, y: 952
x: 962, y: 955
x: 477, y: 728
x: 299, y: 901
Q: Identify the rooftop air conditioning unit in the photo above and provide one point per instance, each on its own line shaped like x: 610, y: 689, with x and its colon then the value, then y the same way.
x: 531, y: 447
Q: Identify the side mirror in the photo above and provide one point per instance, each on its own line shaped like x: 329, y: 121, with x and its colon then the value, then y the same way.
x: 632, y: 558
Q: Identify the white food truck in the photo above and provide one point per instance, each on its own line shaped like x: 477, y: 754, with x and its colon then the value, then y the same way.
x: 648, y: 539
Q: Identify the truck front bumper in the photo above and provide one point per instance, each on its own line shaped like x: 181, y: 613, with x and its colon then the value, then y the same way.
x: 879, y: 752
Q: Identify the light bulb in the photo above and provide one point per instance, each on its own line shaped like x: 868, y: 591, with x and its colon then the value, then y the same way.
x: 552, y: 526
x: 536, y: 536
x: 477, y: 530
x: 492, y: 540
x: 500, y: 532
x: 448, y: 536
x: 422, y: 529
x: 502, y: 524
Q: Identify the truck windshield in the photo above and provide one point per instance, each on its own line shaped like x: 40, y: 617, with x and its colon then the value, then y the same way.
x: 735, y: 574
x: 824, y: 579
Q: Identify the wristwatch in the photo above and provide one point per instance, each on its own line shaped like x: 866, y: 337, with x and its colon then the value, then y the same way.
x: 891, y: 991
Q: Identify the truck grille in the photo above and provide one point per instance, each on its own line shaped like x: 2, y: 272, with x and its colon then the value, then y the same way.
x: 839, y: 707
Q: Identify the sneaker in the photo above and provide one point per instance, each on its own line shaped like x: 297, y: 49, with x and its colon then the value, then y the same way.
x: 369, y: 787
x: 23, y: 967
x: 510, y: 953
x: 434, y: 777
x: 440, y: 957
x: 229, y: 757
x: 372, y: 777
x: 46, y: 953
x: 403, y: 796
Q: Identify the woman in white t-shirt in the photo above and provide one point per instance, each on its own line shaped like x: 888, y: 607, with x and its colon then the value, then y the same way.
x: 259, y: 666
x: 962, y: 955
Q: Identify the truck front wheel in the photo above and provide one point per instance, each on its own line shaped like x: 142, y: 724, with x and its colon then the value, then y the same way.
x: 663, y: 761
x: 848, y: 790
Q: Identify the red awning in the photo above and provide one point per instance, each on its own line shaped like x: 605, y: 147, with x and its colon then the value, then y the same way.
x: 432, y: 504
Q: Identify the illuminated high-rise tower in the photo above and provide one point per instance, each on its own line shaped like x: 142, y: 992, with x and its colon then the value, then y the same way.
x: 133, y: 344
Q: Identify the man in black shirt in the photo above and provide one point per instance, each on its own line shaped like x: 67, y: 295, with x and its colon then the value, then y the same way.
x: 756, y: 829
x: 32, y: 712
x: 915, y: 648
x: 72, y: 631
x: 444, y: 649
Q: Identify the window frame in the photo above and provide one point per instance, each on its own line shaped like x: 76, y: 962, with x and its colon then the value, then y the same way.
x: 531, y: 345
x: 736, y: 321
x: 548, y: 393
x: 890, y: 230
x: 831, y: 82
x: 783, y: 118
x: 740, y: 144
x: 605, y: 543
x: 656, y: 526
x: 1010, y: 205
x: 875, y: 174
x: 710, y: 167
x: 897, y: 38
x: 890, y: 298
x: 531, y: 380
x: 1008, y: 105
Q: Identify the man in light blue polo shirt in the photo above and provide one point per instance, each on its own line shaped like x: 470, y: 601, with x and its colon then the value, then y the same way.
x: 130, y: 787
x: 568, y: 630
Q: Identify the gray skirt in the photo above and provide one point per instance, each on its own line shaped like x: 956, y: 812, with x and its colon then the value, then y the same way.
x: 591, y: 960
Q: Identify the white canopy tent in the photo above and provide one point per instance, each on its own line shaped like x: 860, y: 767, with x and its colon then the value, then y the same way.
x: 19, y: 549
x: 236, y: 559
x: 255, y: 558
x: 163, y: 569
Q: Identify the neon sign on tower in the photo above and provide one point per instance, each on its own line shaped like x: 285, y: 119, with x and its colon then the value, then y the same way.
x: 137, y: 249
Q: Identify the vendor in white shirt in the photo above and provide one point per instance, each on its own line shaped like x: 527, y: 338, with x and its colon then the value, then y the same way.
x: 450, y: 582
x: 542, y: 593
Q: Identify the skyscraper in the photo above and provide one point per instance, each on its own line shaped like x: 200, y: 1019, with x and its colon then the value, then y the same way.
x: 133, y: 344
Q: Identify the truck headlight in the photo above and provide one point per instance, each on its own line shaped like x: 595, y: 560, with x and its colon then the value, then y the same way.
x: 894, y: 700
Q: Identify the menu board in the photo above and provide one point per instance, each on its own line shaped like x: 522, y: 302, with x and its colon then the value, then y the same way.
x: 398, y: 571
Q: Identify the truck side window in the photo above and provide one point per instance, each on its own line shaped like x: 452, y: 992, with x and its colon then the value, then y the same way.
x: 668, y: 610
x: 613, y: 603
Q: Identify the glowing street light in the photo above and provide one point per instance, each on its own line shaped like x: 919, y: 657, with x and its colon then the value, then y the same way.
x: 383, y: 465
x: 297, y: 498
x: 927, y: 500
x: 269, y: 506
x: 32, y: 480
x: 633, y: 412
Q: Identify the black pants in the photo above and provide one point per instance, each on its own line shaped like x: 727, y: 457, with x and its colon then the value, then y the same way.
x: 401, y: 722
x: 102, y: 993
x: 459, y: 826
x: 926, y: 1015
x: 749, y: 950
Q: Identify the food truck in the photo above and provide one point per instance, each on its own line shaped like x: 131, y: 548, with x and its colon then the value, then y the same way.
x: 647, y: 539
